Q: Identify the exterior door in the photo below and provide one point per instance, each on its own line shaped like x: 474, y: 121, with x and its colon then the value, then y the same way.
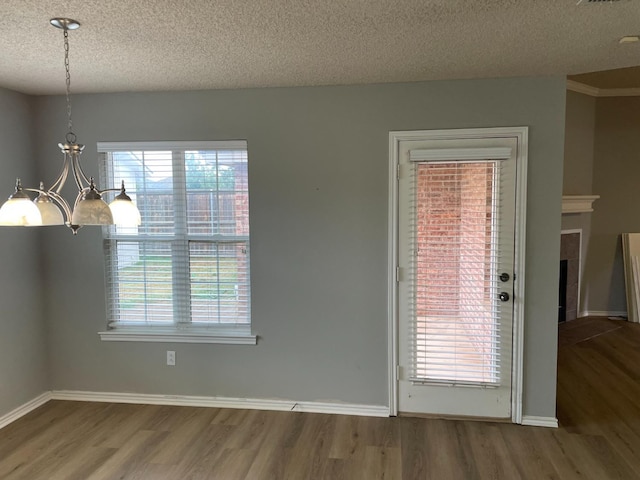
x: 456, y: 209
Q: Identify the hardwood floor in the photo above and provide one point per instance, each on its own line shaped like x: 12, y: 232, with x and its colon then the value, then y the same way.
x: 599, y: 436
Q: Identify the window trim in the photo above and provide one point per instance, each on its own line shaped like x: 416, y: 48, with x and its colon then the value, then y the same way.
x: 178, y: 333
x: 197, y: 145
x: 174, y: 335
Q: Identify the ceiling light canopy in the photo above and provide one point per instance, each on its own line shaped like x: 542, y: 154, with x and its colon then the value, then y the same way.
x: 49, y: 207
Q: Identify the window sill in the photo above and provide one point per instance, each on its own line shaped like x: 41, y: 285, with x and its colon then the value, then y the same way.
x: 178, y: 337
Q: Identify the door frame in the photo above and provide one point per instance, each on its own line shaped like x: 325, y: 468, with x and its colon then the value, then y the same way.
x: 395, y: 137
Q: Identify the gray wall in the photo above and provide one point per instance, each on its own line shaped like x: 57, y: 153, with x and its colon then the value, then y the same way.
x: 578, y: 174
x: 23, y: 354
x: 615, y: 178
x: 578, y: 144
x: 318, y: 180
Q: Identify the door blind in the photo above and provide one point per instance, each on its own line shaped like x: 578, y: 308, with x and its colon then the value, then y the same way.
x: 455, y: 262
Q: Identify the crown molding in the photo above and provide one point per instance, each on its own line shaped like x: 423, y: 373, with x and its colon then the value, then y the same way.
x: 601, y: 92
x: 582, y: 88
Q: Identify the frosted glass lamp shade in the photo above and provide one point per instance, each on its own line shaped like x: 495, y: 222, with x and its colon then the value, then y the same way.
x: 92, y: 212
x: 51, y: 214
x: 91, y: 209
x: 125, y: 213
x: 20, y: 210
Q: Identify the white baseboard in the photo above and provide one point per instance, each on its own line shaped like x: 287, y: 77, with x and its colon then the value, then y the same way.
x: 224, y: 402
x: 22, y: 410
x: 532, y: 421
x: 604, y: 313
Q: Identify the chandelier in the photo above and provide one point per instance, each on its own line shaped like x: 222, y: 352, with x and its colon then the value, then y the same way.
x: 49, y: 207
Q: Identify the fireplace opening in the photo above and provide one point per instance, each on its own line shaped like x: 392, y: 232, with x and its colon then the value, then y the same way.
x: 569, y: 277
x: 562, y: 293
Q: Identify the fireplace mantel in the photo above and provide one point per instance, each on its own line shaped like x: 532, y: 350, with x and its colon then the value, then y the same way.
x: 578, y: 203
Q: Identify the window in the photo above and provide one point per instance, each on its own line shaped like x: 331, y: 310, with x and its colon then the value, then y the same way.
x: 183, y: 275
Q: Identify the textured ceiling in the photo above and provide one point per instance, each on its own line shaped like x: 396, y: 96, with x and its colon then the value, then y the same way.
x: 200, y: 44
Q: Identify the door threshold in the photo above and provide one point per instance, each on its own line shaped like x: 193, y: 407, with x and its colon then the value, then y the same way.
x: 464, y: 418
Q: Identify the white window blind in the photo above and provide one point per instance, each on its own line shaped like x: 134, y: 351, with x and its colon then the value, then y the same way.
x: 186, y: 267
x: 455, y: 309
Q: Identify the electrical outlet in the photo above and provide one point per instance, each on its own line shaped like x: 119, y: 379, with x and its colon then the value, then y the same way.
x: 171, y: 357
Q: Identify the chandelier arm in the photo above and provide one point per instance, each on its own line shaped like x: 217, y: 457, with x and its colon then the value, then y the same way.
x: 34, y: 190
x: 78, y: 173
x: 109, y: 190
x: 79, y: 196
x: 62, y: 177
x: 57, y: 198
x: 62, y: 203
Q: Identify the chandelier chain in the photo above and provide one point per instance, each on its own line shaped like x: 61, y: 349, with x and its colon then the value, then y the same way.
x: 68, y: 81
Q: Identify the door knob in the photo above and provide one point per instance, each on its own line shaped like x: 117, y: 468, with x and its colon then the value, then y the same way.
x: 504, y: 297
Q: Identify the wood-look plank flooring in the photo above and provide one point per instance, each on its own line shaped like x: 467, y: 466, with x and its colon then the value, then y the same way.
x: 598, y: 438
